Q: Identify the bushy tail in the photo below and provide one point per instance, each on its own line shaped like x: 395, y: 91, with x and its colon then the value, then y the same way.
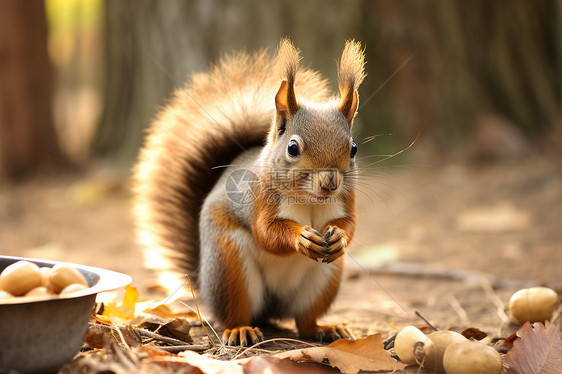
x: 204, y: 126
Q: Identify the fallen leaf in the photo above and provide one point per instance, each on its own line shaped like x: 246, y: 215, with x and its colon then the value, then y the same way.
x: 208, y: 365
x: 120, y: 312
x: 161, y: 313
x: 537, y: 351
x: 177, y: 328
x: 273, y: 365
x: 251, y: 365
x: 474, y: 334
x: 426, y: 329
x: 100, y: 336
x: 349, y: 356
x: 508, y: 342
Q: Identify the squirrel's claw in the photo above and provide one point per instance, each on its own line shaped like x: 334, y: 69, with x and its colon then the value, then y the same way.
x: 331, y: 333
x: 336, y: 242
x: 242, y: 336
x: 311, y: 243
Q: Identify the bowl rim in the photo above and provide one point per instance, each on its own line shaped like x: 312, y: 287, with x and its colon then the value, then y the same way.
x: 109, y: 280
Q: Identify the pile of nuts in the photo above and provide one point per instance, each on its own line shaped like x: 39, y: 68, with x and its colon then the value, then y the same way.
x: 451, y: 353
x: 446, y: 352
x: 26, y: 279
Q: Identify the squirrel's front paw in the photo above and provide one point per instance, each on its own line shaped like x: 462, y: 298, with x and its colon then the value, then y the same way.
x: 310, y: 243
x: 335, y: 241
x: 243, y: 336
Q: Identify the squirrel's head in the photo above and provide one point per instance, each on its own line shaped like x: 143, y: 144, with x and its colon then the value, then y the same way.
x: 311, y: 143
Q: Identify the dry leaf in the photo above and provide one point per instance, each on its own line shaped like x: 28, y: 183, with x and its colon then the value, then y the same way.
x: 251, y: 365
x: 350, y: 356
x: 120, y: 312
x: 99, y: 336
x: 177, y: 328
x: 273, y: 365
x: 473, y: 333
x: 537, y: 351
x: 210, y: 366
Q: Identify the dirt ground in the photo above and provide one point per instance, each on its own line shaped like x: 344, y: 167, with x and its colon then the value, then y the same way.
x: 448, y: 240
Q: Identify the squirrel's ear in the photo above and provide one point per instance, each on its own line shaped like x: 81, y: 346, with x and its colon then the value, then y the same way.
x: 351, y: 72
x: 348, y: 104
x: 286, y: 101
x: 286, y: 105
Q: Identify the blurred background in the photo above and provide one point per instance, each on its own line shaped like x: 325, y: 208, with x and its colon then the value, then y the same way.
x: 81, y: 79
x: 477, y: 85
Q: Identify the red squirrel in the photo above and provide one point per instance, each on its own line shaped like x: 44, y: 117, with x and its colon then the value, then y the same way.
x: 245, y: 183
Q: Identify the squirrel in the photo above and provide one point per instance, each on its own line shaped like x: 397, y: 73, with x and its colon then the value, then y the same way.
x: 245, y: 183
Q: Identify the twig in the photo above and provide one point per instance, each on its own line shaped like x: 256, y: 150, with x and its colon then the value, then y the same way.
x: 162, y: 338
x: 414, y: 270
x: 200, y: 321
x: 459, y: 309
x: 114, y: 326
x: 198, y: 312
x: 426, y: 321
x: 493, y: 297
x: 269, y: 341
x: 389, y: 343
x: 125, y: 356
x: 181, y: 348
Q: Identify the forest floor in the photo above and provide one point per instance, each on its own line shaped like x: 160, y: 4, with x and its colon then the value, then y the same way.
x: 452, y: 241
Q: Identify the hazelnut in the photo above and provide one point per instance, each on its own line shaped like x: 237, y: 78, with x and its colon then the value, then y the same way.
x: 64, y: 275
x: 434, y: 352
x: 72, y: 288
x: 534, y: 304
x: 20, y: 277
x: 406, y: 341
x: 471, y: 357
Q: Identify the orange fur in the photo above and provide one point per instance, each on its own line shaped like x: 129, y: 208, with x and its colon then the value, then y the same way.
x: 234, y: 307
x: 237, y: 308
x: 275, y: 235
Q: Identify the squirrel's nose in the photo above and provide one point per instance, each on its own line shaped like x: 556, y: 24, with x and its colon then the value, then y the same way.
x: 328, y: 181
x: 329, y: 188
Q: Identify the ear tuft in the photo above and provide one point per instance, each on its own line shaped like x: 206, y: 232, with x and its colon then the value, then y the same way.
x: 351, y: 72
x: 288, y: 58
x: 288, y: 64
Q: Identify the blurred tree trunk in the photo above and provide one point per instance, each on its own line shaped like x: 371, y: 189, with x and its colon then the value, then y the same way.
x: 434, y: 67
x: 28, y: 141
x: 152, y: 47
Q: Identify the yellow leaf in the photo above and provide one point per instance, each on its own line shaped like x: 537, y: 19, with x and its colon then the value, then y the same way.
x: 124, y: 310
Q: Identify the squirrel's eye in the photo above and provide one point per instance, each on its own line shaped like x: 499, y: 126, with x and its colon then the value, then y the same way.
x: 293, y: 149
x: 353, y: 149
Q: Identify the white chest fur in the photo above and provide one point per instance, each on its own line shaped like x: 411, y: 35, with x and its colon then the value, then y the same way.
x: 313, y: 215
x: 296, y: 280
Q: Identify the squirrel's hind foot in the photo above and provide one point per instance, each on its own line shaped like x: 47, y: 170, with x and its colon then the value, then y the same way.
x: 244, y: 336
x: 330, y: 333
